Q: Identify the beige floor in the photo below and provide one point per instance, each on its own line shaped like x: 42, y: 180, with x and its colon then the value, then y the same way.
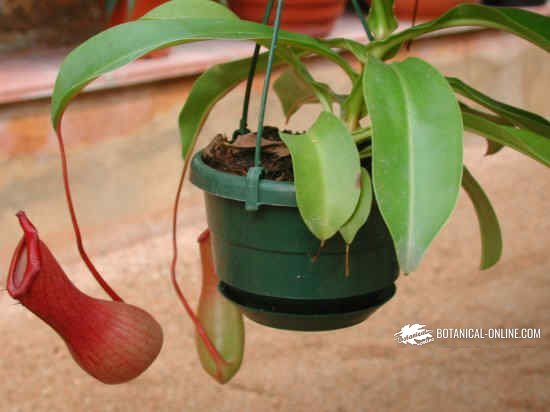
x: 360, y: 368
x: 124, y: 188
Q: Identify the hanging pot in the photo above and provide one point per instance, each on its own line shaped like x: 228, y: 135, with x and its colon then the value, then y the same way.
x: 312, y: 17
x: 266, y: 259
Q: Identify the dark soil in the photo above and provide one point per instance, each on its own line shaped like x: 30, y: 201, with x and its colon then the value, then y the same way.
x: 238, y: 156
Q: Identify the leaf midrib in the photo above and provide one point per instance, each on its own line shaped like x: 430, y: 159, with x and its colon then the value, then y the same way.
x: 410, y: 163
x: 319, y: 155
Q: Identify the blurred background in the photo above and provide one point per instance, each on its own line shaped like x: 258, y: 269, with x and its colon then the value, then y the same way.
x: 124, y: 158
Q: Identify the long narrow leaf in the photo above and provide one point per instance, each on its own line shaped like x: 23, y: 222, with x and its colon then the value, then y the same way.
x: 524, y: 141
x: 492, y: 146
x: 491, y: 238
x: 515, y: 115
x: 120, y: 45
x: 495, y: 118
x: 532, y: 27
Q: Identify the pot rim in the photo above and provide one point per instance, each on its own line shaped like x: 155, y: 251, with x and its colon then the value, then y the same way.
x: 230, y: 186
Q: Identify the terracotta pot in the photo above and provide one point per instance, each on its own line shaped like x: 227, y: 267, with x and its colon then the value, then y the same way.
x: 120, y: 15
x: 313, y: 17
x: 514, y: 3
x: 427, y: 9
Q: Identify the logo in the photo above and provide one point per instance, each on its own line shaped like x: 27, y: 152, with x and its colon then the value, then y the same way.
x: 414, y: 335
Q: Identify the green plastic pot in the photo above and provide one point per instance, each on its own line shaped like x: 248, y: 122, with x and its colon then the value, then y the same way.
x: 265, y: 258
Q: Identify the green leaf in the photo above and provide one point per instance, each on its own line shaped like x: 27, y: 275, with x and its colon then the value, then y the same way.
x: 524, y: 141
x: 491, y: 238
x: 517, y: 116
x: 362, y: 210
x: 532, y: 27
x: 121, y: 44
x: 207, y: 90
x: 293, y: 92
x: 190, y: 9
x: 303, y: 80
x: 495, y: 118
x: 326, y: 174
x: 381, y: 19
x: 493, y: 147
x: 296, y: 87
x: 417, y: 152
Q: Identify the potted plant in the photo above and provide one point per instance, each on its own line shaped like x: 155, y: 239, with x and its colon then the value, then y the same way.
x: 313, y: 17
x: 310, y: 229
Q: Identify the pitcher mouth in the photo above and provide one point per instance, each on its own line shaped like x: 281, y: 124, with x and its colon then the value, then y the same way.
x: 26, y: 262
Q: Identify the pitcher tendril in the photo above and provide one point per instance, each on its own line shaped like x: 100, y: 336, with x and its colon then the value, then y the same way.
x: 216, y: 356
x: 76, y: 228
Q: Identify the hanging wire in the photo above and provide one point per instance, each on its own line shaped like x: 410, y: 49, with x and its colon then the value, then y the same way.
x: 243, y: 125
x: 415, y: 12
x: 359, y: 12
x: 263, y: 103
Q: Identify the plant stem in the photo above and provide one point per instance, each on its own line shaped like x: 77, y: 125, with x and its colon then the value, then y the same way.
x: 352, y: 121
x: 362, y: 135
x: 354, y: 104
x: 361, y: 16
